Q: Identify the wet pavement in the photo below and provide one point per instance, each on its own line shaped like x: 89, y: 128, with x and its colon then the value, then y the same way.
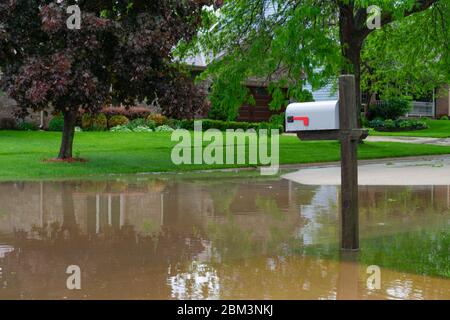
x: 431, y: 171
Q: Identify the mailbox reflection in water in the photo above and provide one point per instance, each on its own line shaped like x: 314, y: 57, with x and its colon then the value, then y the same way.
x: 312, y: 116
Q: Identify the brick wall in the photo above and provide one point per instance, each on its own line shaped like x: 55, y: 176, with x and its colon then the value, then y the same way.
x: 443, y: 102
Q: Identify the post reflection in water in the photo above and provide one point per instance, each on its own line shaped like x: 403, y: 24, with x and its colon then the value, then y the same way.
x: 221, y: 238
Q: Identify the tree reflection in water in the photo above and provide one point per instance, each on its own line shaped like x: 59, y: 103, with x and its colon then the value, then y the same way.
x: 215, y: 238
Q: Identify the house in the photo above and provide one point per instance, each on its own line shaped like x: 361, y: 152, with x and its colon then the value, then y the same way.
x: 259, y: 89
x: 442, y: 103
x: 435, y: 105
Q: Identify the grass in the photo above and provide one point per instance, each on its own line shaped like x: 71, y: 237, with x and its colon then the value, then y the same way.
x: 423, y: 252
x: 22, y: 154
x: 436, y: 129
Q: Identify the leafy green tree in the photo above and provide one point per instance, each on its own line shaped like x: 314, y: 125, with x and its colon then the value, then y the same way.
x: 294, y: 42
x: 408, y: 57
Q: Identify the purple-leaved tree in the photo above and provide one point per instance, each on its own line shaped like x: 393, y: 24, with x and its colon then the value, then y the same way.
x: 121, y: 53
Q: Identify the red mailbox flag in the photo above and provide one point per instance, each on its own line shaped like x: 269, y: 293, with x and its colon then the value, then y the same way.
x: 304, y: 119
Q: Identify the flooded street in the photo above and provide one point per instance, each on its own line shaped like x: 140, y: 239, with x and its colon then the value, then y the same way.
x: 225, y: 237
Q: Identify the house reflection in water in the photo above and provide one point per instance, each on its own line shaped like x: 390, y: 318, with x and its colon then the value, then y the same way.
x: 192, y: 238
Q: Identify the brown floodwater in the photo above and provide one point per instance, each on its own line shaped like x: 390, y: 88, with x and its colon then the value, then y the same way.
x: 224, y: 237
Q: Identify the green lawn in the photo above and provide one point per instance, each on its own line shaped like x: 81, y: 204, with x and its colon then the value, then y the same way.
x: 436, y: 129
x: 22, y: 154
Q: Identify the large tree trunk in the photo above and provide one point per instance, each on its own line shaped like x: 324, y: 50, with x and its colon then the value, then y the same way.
x: 68, y: 134
x: 351, y: 44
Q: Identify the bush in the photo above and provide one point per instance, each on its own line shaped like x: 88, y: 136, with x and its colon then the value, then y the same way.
x: 140, y: 122
x: 377, y: 123
x: 157, y: 118
x: 443, y: 118
x: 97, y: 122
x: 164, y: 128
x: 142, y: 129
x: 270, y: 126
x: 56, y: 124
x: 389, y: 124
x: 225, y: 125
x: 397, y: 125
x: 390, y: 109
x: 117, y: 120
x: 218, y: 112
x: 121, y: 129
x: 86, y: 121
x: 186, y: 124
x: 100, y: 122
x: 27, y: 126
x: 278, y: 119
x: 174, y: 123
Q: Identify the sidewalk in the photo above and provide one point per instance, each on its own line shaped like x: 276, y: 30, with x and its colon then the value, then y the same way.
x: 432, y: 171
x: 418, y: 140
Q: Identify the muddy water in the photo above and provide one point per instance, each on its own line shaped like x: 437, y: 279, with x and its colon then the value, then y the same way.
x: 219, y: 238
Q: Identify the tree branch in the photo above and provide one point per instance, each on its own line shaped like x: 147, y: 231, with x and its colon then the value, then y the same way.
x: 386, y: 18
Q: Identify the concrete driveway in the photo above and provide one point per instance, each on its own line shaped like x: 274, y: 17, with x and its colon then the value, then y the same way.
x: 435, y: 171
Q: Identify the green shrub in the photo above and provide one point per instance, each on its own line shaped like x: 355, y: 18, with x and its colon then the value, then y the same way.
x: 151, y: 124
x: 278, y: 119
x: 140, y: 122
x: 142, y: 129
x: 164, y: 128
x: 174, y: 123
x: 443, y: 118
x: 157, y: 118
x: 389, y: 124
x: 136, y: 125
x: 100, y: 122
x: 397, y: 125
x: 390, y: 109
x: 377, y: 123
x: 223, y: 111
x: 117, y: 120
x: 122, y: 128
x: 86, y: 121
x: 97, y: 122
x: 27, y: 126
x: 225, y: 125
x: 56, y: 124
x: 187, y: 124
x: 418, y: 125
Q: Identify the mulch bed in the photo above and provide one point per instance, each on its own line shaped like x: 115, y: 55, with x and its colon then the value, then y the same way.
x: 68, y: 160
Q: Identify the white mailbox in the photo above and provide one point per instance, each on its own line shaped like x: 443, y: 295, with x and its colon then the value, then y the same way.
x: 312, y: 116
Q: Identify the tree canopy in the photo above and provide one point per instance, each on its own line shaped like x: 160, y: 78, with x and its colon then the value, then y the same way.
x: 122, y: 52
x: 294, y: 42
x: 409, y: 57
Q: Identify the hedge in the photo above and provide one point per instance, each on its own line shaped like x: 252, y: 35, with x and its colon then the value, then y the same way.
x: 397, y: 125
x: 225, y: 125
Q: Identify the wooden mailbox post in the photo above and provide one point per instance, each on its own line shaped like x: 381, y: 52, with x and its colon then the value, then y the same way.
x: 349, y: 135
